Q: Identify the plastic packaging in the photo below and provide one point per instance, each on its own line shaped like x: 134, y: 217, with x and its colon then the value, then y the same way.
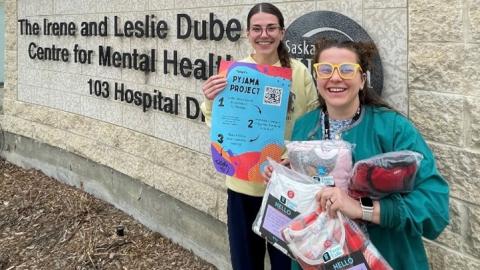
x: 288, y: 194
x: 380, y: 175
x: 320, y: 242
x: 327, y: 161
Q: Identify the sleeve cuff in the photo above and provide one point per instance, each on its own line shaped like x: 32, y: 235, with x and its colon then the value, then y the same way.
x: 390, y: 212
x: 207, y: 105
x: 206, y: 108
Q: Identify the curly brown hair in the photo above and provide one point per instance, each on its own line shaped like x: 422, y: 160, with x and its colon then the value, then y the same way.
x: 365, y: 51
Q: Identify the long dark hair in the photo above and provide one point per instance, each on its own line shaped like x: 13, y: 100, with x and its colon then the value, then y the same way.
x: 365, y: 52
x: 271, y: 9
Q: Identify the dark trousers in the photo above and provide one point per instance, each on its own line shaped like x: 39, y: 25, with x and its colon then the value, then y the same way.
x: 247, y: 249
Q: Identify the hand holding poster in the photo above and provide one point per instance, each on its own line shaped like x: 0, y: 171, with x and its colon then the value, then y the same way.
x: 248, y: 118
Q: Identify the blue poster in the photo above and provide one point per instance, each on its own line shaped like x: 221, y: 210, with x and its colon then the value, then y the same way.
x: 248, y: 118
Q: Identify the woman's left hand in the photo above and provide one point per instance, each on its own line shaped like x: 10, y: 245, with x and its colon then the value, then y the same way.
x: 333, y: 199
x: 268, y: 170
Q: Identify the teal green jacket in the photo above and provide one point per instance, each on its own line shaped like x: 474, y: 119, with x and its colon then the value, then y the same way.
x: 404, y: 218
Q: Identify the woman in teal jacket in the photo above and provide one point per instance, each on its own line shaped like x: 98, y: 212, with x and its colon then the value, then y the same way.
x: 352, y: 112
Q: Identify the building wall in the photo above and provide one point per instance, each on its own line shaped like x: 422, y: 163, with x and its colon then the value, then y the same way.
x: 444, y: 93
x: 429, y: 51
x: 2, y: 42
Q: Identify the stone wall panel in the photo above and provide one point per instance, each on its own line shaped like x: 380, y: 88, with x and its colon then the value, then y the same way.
x: 460, y: 169
x: 437, y: 67
x: 473, y: 110
x: 473, y: 13
x: 392, y: 46
x: 433, y: 113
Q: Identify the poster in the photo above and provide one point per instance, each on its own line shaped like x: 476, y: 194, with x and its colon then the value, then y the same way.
x: 248, y: 118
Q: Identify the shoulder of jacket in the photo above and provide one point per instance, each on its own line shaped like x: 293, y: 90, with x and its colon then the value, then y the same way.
x: 392, y: 118
x: 384, y: 112
x: 309, y: 116
x: 305, y: 125
x: 297, y: 64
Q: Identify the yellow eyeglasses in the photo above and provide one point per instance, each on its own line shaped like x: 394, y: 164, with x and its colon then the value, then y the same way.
x: 346, y: 71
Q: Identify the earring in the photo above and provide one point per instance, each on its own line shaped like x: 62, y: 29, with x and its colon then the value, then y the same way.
x: 369, y: 80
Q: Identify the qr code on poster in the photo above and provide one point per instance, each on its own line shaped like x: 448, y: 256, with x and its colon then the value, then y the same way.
x: 272, y: 96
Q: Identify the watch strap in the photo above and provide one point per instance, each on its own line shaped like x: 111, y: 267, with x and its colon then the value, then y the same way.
x: 367, y: 212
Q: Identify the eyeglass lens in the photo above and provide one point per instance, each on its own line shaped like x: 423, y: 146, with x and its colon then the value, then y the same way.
x: 345, y: 70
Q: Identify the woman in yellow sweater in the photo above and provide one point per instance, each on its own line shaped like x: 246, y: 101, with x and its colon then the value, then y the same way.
x: 265, y: 31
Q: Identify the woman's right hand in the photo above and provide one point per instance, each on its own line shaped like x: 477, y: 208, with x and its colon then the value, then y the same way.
x: 213, y: 86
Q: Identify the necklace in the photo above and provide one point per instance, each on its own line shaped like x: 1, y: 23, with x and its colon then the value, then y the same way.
x: 326, y: 121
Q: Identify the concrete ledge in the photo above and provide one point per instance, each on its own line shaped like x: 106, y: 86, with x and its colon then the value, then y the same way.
x: 191, y: 228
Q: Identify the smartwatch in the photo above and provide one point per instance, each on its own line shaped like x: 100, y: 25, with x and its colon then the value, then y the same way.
x: 367, y: 208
